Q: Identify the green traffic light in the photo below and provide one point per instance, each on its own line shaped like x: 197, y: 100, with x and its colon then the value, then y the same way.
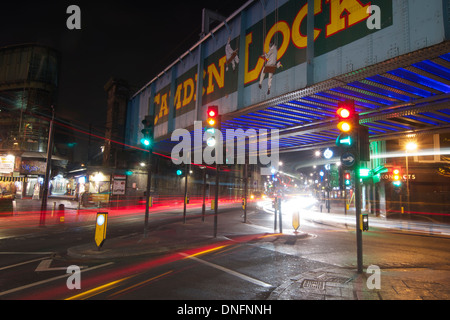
x: 347, y: 141
x: 179, y: 172
x: 344, y: 140
x: 145, y: 142
x: 397, y: 183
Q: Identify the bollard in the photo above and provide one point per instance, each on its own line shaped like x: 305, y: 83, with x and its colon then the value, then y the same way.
x: 61, y: 212
x: 54, y: 208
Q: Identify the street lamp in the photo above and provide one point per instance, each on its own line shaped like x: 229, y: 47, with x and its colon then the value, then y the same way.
x: 410, y: 146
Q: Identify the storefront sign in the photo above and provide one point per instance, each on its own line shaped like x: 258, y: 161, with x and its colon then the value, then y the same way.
x: 32, y: 167
x: 119, y: 184
x: 6, y: 164
x: 390, y: 176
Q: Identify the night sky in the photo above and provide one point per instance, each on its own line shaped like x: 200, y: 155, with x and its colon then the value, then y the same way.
x: 132, y: 40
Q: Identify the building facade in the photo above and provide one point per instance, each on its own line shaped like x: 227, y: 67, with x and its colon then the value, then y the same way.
x: 28, y: 90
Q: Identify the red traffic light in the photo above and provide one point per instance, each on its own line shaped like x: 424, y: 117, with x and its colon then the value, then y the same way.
x: 343, y: 113
x: 346, y: 109
x: 212, y: 116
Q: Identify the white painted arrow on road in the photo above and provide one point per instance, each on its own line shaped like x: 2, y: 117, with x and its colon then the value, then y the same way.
x: 45, y: 266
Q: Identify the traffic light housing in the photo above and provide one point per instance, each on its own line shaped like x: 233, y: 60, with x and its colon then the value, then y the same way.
x: 346, y: 114
x: 213, y: 117
x: 364, y: 222
x: 347, y: 179
x: 147, y: 132
x: 212, y: 124
x: 348, y: 125
x: 396, y: 177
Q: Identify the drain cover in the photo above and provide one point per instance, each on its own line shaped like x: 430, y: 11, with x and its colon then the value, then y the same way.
x: 313, y: 284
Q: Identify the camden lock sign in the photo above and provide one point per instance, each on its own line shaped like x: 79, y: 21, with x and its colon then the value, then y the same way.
x: 336, y: 24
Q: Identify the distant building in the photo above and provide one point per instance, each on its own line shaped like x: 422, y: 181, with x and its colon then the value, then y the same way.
x: 28, y: 89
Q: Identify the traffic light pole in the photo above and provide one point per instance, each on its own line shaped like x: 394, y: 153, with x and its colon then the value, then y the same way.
x: 204, y: 194
x: 186, y: 174
x: 216, y: 199
x: 245, y: 191
x: 148, y: 190
x: 359, y: 245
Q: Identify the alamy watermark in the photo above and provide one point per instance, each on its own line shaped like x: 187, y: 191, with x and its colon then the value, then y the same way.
x: 373, y: 281
x: 74, y: 280
x: 262, y: 146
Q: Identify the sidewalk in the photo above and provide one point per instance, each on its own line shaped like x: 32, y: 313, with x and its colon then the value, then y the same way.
x: 333, y: 283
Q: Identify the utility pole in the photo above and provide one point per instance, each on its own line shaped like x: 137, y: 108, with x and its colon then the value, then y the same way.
x: 47, y: 170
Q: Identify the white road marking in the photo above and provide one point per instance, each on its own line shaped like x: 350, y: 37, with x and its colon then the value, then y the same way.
x: 229, y: 271
x: 50, y: 280
x: 37, y: 253
x: 22, y: 263
x: 45, y: 266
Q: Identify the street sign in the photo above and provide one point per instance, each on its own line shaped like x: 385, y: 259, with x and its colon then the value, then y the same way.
x: 100, y: 228
x: 348, y: 159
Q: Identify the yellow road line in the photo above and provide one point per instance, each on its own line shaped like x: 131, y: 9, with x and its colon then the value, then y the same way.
x: 140, y: 283
x: 98, y: 290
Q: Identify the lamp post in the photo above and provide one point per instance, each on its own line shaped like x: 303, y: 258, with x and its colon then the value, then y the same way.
x: 410, y: 146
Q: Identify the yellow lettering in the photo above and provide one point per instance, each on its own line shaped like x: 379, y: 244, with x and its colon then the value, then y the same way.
x: 300, y: 40
x: 251, y: 75
x: 188, y: 85
x: 282, y: 27
x: 214, y: 73
x: 355, y: 12
x: 163, y: 110
x: 177, y: 99
x: 157, y: 101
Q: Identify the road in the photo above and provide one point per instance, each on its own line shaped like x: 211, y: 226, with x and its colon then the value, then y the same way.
x: 238, y: 265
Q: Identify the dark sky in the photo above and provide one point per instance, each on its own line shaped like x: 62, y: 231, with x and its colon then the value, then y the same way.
x: 132, y: 40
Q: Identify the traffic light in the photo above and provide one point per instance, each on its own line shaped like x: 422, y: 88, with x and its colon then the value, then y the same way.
x: 364, y: 222
x: 147, y: 132
x: 396, y: 177
x: 346, y: 115
x: 212, y: 124
x: 348, y: 125
x: 213, y: 118
x: 347, y: 179
x: 179, y: 172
